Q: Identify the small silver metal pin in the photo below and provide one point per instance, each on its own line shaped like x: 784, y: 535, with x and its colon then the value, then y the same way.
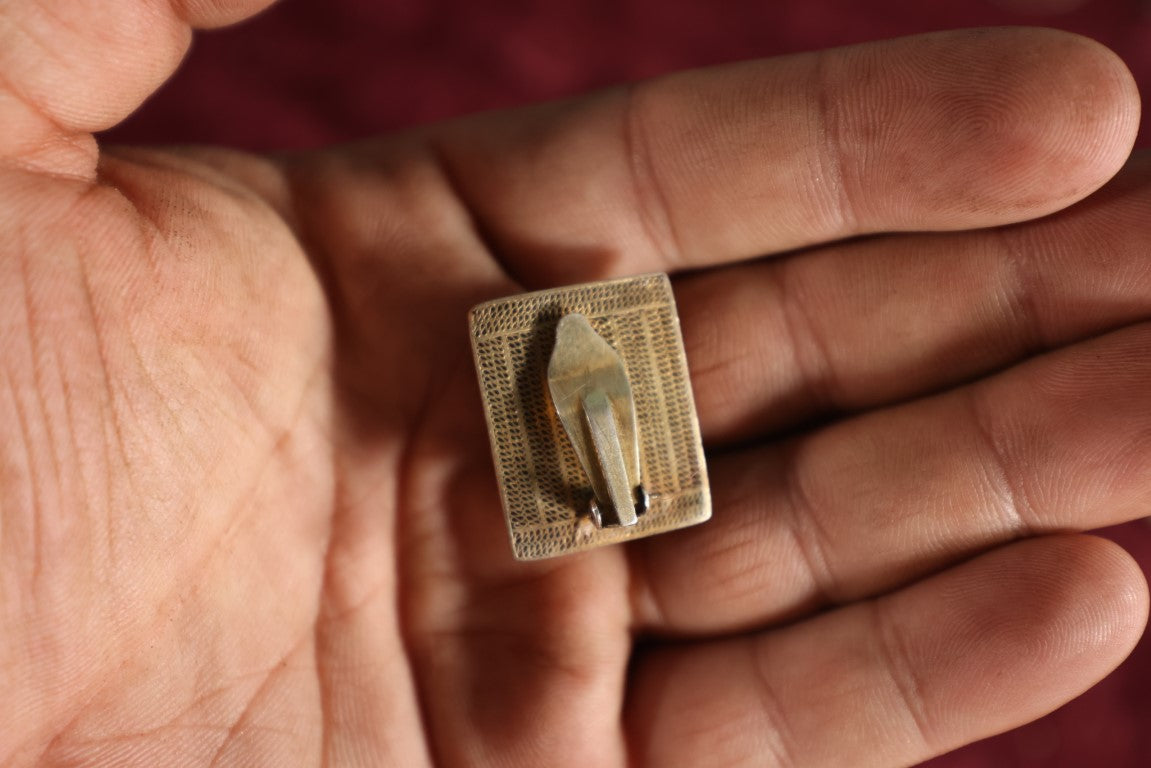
x: 592, y: 395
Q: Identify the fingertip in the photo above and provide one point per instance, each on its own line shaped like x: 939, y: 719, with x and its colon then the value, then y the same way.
x: 1019, y: 123
x: 1066, y: 611
x: 1101, y: 106
x: 1114, y: 598
x: 1067, y: 595
x: 206, y: 14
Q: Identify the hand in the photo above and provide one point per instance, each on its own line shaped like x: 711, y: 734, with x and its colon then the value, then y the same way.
x: 247, y: 511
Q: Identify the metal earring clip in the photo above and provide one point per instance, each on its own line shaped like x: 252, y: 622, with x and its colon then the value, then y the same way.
x: 592, y: 395
x: 590, y: 414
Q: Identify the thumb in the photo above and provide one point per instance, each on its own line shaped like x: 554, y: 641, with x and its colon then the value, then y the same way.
x: 71, y: 67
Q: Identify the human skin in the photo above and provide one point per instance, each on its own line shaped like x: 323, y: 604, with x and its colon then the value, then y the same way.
x: 247, y: 511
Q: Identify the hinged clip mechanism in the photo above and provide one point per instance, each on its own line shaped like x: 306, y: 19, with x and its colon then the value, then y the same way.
x: 592, y: 395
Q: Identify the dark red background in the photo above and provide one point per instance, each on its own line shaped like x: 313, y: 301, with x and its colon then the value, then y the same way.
x: 312, y: 72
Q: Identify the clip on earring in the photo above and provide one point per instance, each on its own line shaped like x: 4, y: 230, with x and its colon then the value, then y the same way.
x: 590, y: 414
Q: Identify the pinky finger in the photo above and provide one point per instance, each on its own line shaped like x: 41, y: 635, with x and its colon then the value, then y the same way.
x: 977, y: 650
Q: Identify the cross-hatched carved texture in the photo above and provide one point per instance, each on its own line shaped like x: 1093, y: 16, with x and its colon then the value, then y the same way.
x: 545, y: 492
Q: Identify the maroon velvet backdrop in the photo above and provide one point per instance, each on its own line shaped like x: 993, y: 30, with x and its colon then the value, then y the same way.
x: 311, y: 72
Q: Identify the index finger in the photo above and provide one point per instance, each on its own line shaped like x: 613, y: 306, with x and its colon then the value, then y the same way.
x: 945, y: 131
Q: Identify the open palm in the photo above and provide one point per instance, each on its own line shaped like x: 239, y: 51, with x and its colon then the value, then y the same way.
x: 247, y: 511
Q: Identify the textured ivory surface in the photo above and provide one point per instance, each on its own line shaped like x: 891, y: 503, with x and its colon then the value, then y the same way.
x: 544, y: 491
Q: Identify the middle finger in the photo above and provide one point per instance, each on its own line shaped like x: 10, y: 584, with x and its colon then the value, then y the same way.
x: 778, y: 342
